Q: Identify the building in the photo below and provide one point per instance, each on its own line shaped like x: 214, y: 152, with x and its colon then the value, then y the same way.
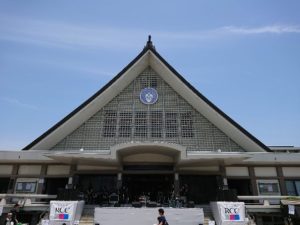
x: 150, y: 134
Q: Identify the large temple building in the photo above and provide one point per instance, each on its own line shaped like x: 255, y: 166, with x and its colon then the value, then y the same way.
x: 149, y: 135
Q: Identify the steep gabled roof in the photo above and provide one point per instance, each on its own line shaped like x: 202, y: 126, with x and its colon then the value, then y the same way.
x: 148, y: 57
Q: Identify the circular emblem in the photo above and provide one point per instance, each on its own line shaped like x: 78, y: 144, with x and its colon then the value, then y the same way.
x: 148, y: 96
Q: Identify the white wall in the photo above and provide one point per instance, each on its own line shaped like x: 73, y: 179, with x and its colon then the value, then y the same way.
x: 291, y: 171
x: 265, y: 171
x: 201, y: 168
x: 237, y: 171
x: 90, y: 167
x: 58, y: 170
x: 30, y: 170
x: 6, y: 169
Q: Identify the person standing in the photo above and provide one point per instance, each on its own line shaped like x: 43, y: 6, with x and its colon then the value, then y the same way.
x: 9, y: 220
x: 162, y: 219
x: 15, y: 212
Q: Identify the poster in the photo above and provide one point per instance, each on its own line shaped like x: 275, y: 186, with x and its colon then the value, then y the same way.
x: 291, y: 209
x: 232, y: 211
x: 62, y: 210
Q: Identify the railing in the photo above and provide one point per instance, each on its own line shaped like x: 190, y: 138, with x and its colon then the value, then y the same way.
x: 25, y: 199
x: 265, y: 199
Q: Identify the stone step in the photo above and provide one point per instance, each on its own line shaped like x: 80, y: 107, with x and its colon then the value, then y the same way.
x: 90, y: 221
x: 88, y: 215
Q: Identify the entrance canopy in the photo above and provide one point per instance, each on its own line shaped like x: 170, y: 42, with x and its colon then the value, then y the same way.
x: 149, y: 153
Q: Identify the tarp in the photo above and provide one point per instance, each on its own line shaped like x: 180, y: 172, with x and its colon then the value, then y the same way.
x: 228, y: 213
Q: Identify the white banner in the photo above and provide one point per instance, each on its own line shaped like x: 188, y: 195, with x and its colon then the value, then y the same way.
x: 291, y: 209
x: 232, y: 211
x: 62, y: 210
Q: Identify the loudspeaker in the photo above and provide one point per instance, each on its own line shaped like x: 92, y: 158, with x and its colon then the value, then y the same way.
x: 136, y: 204
x: 151, y: 204
x: 190, y: 204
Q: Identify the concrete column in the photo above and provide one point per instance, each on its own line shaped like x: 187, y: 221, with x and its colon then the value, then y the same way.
x: 176, y: 184
x: 119, y: 181
x: 73, y: 179
x: 41, y: 181
x: 253, y: 180
x: 13, y: 178
x: 223, y: 177
x: 281, y: 180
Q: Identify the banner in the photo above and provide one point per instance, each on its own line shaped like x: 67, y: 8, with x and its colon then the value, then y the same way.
x: 291, y: 209
x: 62, y: 210
x: 232, y: 211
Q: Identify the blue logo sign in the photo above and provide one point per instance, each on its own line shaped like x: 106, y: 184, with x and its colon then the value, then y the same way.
x: 148, y: 96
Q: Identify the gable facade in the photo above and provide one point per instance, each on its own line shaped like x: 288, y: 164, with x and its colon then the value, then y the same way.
x: 170, y: 120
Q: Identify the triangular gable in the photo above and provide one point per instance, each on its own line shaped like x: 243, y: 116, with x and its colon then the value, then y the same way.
x: 148, y: 57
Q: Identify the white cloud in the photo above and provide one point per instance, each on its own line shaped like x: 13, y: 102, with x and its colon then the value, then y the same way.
x: 65, y: 35
x: 18, y: 103
x: 274, y: 29
x: 80, y: 36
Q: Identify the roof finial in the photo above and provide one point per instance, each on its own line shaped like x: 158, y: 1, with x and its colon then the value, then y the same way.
x: 149, y: 43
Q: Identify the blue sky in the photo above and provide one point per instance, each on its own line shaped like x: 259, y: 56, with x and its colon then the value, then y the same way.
x: 242, y: 55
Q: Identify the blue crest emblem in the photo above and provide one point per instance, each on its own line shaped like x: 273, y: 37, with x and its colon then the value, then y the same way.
x: 148, y: 96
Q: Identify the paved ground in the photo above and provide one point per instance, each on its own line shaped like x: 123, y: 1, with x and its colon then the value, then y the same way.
x: 148, y: 216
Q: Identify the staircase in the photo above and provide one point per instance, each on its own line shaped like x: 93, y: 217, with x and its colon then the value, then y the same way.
x: 207, y: 213
x: 87, y: 217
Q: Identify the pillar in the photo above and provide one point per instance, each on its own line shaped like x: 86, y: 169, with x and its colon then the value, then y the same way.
x: 253, y: 180
x: 13, y: 178
x: 176, y: 184
x: 119, y: 181
x: 41, y: 181
x: 281, y: 180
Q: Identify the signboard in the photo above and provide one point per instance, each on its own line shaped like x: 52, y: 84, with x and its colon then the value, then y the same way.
x: 232, y: 211
x: 229, y: 213
x: 291, y: 209
x: 62, y: 210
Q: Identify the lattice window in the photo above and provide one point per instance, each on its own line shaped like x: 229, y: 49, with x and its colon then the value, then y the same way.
x: 110, y: 123
x: 156, y: 124
x: 125, y: 124
x: 171, y: 124
x: 125, y: 119
x: 140, y: 122
x: 186, y: 121
x: 149, y: 81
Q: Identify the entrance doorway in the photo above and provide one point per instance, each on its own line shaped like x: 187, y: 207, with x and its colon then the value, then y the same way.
x: 52, y: 185
x: 155, y: 187
x: 4, y: 183
x: 199, y: 188
x: 241, y: 186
